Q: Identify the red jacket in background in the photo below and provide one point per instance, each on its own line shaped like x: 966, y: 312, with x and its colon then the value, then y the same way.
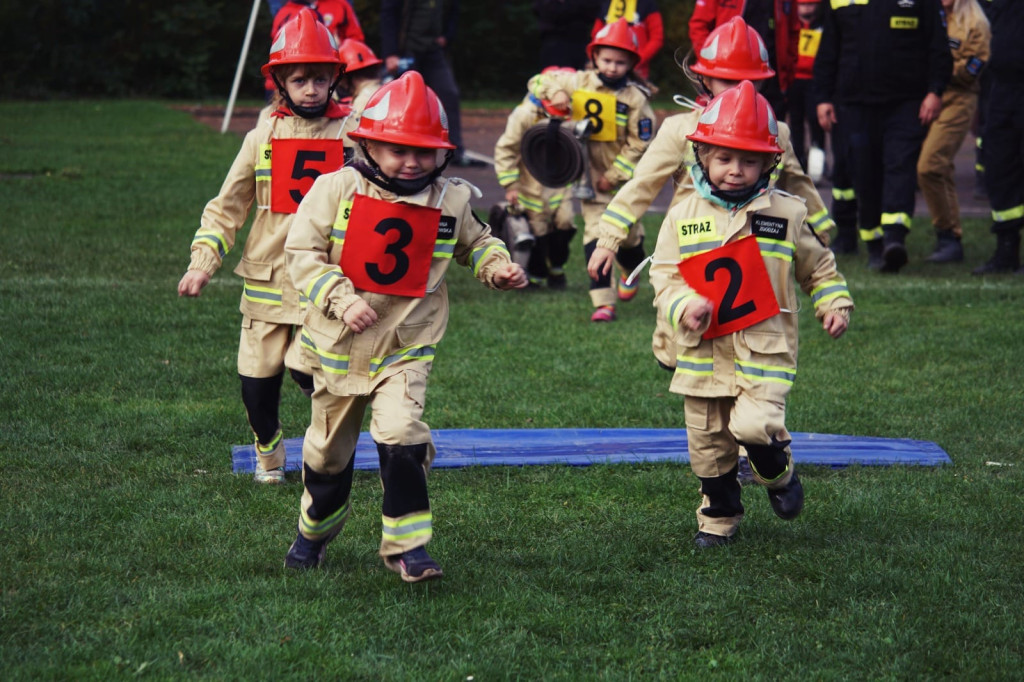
x: 647, y: 27
x: 336, y: 15
x: 707, y: 14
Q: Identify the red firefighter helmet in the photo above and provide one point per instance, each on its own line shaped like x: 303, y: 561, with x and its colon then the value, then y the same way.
x: 355, y: 55
x: 734, y: 52
x: 739, y: 118
x: 303, y: 40
x: 617, y: 34
x: 406, y: 112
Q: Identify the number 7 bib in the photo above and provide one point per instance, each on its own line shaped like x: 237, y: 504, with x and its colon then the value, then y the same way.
x: 733, y: 277
x: 389, y: 247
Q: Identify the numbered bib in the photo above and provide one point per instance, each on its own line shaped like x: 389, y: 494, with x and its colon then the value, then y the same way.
x: 599, y: 108
x: 621, y: 8
x: 734, y: 279
x: 295, y: 164
x: 810, y: 40
x: 389, y: 247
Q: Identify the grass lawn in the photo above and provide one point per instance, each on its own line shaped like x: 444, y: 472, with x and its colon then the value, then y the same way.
x: 131, y: 550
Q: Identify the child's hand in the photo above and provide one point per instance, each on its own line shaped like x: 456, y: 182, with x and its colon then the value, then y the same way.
x: 560, y: 100
x: 192, y: 283
x: 359, y: 316
x: 835, y: 324
x: 604, y: 185
x: 600, y: 262
x: 511, y: 196
x: 696, y: 314
x: 510, y: 276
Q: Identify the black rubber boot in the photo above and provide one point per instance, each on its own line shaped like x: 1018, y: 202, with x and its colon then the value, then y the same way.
x: 874, y: 254
x: 770, y: 463
x: 894, y: 249
x: 1007, y: 255
x: 948, y: 248
x: 845, y: 243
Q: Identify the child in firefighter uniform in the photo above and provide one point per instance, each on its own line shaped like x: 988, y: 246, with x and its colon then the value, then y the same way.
x: 969, y: 35
x: 360, y: 78
x: 723, y: 276
x: 733, y: 52
x: 548, y: 209
x: 370, y: 247
x: 622, y: 125
x: 299, y: 139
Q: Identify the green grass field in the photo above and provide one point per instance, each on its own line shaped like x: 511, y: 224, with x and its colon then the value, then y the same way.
x: 131, y: 550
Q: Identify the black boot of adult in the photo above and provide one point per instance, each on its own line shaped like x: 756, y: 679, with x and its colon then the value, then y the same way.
x: 894, y: 249
x: 874, y: 254
x: 948, y: 248
x: 1007, y: 255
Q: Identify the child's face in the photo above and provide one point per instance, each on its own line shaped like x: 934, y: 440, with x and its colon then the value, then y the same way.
x: 807, y: 10
x: 403, y: 163
x: 733, y: 169
x: 613, y: 63
x: 307, y: 88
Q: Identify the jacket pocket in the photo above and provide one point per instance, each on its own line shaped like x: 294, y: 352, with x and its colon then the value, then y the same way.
x: 765, y: 343
x: 412, y: 334
x: 257, y: 271
x: 324, y: 332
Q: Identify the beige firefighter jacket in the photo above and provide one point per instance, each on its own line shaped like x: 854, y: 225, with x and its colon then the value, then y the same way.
x: 671, y: 155
x: 268, y: 293
x: 970, y: 46
x: 761, y: 358
x: 408, y: 329
x: 615, y: 160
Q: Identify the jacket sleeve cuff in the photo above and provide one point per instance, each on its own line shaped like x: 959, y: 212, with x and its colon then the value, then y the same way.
x: 204, y: 260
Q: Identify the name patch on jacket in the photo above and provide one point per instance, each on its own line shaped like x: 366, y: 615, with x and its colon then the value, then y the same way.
x: 645, y: 129
x: 446, y: 228
x: 903, y: 22
x: 733, y: 277
x: 295, y: 163
x: 768, y: 226
x: 389, y: 247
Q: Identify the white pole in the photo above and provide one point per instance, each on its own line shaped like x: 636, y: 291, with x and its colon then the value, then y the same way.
x: 241, y: 65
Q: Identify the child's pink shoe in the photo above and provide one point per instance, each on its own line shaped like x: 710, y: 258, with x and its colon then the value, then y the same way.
x: 627, y: 291
x: 605, y: 313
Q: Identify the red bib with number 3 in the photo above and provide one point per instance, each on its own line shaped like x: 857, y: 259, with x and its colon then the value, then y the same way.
x: 734, y: 279
x: 295, y: 164
x: 389, y: 247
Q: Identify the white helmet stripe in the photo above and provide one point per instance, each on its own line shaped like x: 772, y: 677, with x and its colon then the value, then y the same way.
x: 710, y: 114
x: 379, y: 111
x: 710, y: 51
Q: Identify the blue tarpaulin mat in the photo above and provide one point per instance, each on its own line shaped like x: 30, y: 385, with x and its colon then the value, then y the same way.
x: 582, y: 447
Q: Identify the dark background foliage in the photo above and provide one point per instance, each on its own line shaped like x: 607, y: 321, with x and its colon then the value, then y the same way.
x: 190, y: 48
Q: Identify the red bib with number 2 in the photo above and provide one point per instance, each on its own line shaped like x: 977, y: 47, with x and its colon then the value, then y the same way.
x: 734, y: 279
x: 295, y: 164
x: 389, y: 247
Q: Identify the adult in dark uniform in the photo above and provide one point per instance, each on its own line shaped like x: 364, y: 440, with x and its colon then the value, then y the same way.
x: 880, y: 73
x: 1004, y: 135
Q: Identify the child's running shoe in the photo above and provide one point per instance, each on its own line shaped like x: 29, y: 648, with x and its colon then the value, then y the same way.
x: 305, y: 554
x: 627, y: 291
x: 605, y: 313
x: 273, y: 476
x: 414, y: 565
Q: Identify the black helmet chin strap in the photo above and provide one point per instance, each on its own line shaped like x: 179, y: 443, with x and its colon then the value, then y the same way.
x: 307, y: 112
x: 372, y: 172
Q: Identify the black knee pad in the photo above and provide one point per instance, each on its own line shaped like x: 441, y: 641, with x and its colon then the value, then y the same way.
x: 630, y: 258
x: 723, y: 494
x: 262, y: 398
x: 330, y: 492
x: 769, y: 461
x: 403, y: 477
x: 305, y: 381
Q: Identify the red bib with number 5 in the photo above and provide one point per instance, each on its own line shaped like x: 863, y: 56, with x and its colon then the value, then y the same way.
x: 295, y: 164
x: 389, y: 247
x: 734, y: 279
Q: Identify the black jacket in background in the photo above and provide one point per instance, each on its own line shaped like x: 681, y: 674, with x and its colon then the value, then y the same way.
x: 865, y: 59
